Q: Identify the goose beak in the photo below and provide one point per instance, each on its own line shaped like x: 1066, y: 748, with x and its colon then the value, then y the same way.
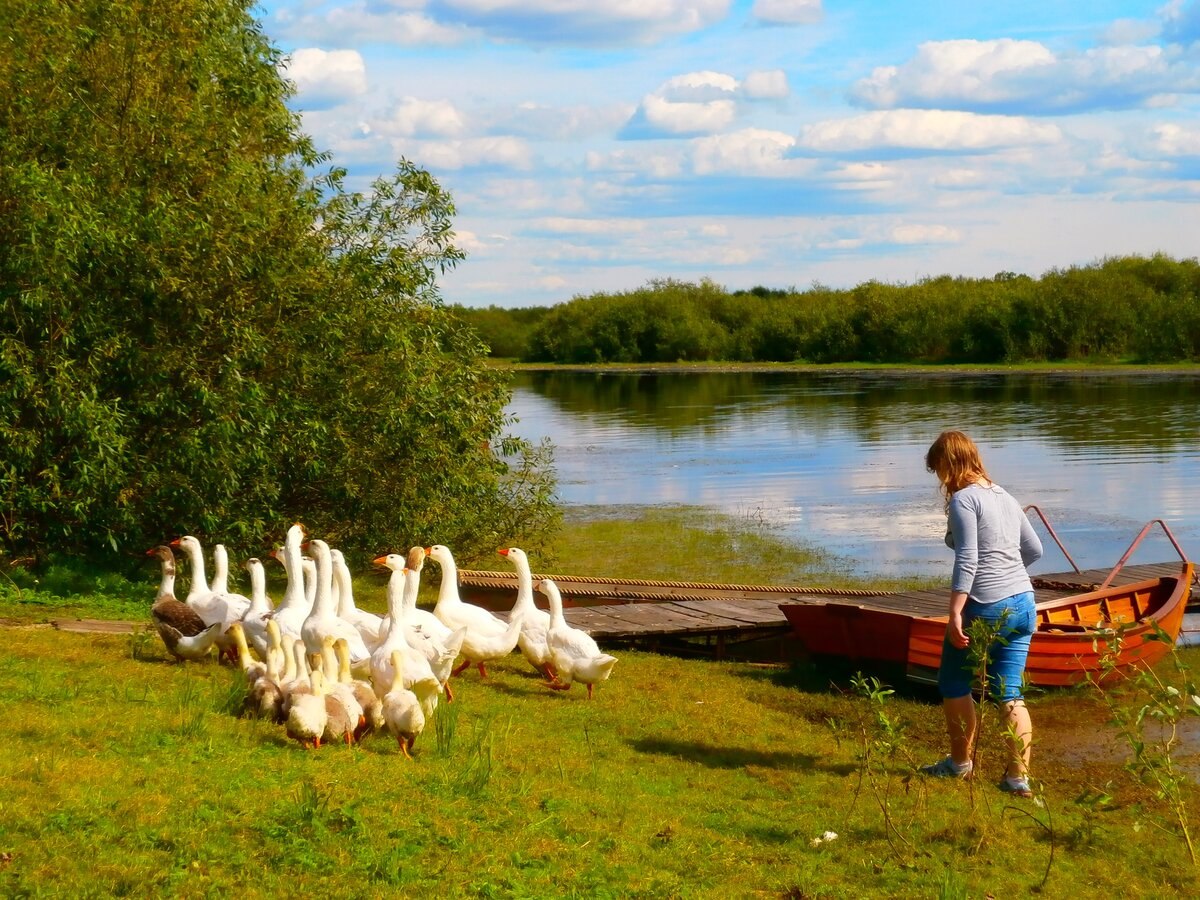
x: 380, y: 561
x: 175, y: 543
x: 503, y: 551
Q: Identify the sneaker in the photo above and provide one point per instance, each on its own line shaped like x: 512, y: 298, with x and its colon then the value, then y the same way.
x: 1018, y: 787
x: 948, y: 768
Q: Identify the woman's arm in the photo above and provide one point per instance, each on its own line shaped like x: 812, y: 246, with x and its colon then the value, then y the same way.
x: 1031, y: 544
x: 964, y: 526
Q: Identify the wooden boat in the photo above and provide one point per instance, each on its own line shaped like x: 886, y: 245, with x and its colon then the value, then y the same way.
x: 1073, y: 633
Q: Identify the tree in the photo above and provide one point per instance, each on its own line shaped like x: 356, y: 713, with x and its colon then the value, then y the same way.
x: 199, y: 334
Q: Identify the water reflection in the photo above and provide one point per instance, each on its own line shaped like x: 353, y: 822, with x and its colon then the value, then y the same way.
x: 837, y: 459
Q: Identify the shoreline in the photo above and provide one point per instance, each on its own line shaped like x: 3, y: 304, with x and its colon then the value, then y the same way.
x: 1089, y: 370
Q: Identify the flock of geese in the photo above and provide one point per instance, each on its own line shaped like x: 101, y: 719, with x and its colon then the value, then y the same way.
x: 330, y: 671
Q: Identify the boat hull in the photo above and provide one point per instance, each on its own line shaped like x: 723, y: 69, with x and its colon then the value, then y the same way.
x: 1073, y: 636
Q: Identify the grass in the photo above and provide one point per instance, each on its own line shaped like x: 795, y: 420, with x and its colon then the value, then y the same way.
x: 128, y: 774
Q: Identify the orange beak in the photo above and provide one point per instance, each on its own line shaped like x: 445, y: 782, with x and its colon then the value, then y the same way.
x: 175, y: 543
x: 380, y: 560
x: 503, y: 551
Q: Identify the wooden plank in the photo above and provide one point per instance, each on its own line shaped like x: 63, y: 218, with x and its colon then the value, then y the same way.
x: 654, y: 615
x: 748, y: 615
x: 98, y: 626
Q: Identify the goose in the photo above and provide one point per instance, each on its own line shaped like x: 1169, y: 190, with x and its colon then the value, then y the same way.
x: 402, y: 713
x: 295, y: 680
x: 189, y: 646
x: 488, y: 637
x: 417, y: 674
x: 368, y: 701
x: 307, y: 716
x: 265, y: 696
x: 259, y: 614
x: 323, y: 621
x: 253, y: 669
x: 167, y: 610
x: 429, y: 637
x: 575, y: 655
x: 368, y: 624
x: 213, y: 608
x: 344, y: 712
x: 295, y: 606
x: 420, y: 620
x: 535, y: 623
x: 220, y: 579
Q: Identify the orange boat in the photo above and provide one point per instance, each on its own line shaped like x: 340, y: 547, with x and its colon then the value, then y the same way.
x: 1072, y: 636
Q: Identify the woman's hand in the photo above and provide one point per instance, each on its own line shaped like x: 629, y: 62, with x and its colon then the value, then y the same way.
x: 958, y: 637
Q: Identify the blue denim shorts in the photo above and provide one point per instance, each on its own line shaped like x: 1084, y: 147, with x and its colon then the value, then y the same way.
x: 1006, y: 656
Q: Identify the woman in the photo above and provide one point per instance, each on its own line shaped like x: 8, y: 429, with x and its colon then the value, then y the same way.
x: 993, y: 544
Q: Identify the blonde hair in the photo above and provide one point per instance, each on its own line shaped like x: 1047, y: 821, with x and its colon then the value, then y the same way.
x: 954, y: 459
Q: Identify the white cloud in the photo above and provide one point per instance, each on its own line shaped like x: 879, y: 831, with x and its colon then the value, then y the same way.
x: 925, y: 234
x: 751, y: 151
x: 768, y: 84
x: 559, y: 123
x: 863, y: 176
x: 1006, y: 75
x: 925, y: 130
x: 502, y: 152
x: 325, y: 79
x: 667, y: 117
x: 653, y: 164
x: 560, y: 225
x: 787, y: 12
x: 364, y: 22
x: 584, y: 22
x: 414, y: 117
x: 960, y: 179
x: 1181, y: 21
x: 695, y: 103
x: 1175, y: 140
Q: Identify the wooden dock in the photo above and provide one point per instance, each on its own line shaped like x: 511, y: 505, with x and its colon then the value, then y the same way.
x: 718, y: 616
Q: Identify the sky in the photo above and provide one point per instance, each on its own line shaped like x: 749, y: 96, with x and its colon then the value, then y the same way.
x: 594, y: 145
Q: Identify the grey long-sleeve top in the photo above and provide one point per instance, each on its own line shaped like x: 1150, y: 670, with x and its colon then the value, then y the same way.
x: 993, y: 542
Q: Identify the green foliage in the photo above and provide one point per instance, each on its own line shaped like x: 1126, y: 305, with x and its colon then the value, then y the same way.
x: 1125, y: 308
x: 1150, y: 710
x: 198, y: 334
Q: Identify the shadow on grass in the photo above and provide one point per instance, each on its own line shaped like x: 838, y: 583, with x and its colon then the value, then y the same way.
x: 724, y: 757
x: 833, y: 677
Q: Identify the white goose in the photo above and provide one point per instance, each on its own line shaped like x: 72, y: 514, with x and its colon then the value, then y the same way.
x: 295, y: 606
x: 344, y: 711
x: 427, y: 636
x: 372, y: 709
x: 575, y: 655
x: 306, y: 716
x: 402, y: 713
x: 220, y: 579
x: 417, y: 675
x: 535, y: 623
x: 488, y: 637
x: 213, y: 608
x: 368, y: 624
x: 323, y: 620
x: 259, y: 614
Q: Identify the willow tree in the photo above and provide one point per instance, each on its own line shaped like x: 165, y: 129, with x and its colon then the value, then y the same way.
x: 198, y: 333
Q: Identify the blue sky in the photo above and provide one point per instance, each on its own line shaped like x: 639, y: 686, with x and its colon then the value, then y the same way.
x: 593, y: 145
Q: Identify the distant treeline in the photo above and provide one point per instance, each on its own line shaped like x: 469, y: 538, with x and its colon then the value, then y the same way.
x: 1133, y: 308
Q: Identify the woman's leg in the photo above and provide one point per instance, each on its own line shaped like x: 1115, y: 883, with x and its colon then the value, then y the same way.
x: 960, y: 725
x: 1020, y: 738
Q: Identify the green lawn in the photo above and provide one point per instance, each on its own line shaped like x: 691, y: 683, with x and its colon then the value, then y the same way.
x: 129, y: 774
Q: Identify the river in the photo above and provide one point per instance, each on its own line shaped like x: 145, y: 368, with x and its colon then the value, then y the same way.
x: 837, y: 459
